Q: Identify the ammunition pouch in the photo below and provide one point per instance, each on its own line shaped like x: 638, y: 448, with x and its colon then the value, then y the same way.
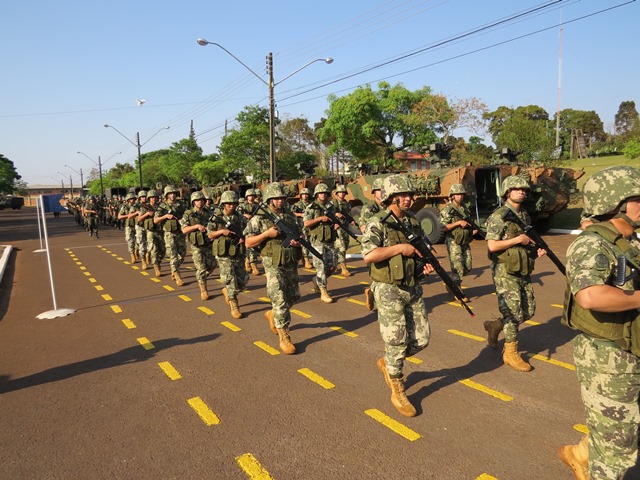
x: 170, y: 225
x: 279, y: 254
x: 516, y: 260
x: 198, y: 239
x: 461, y: 236
x: 226, y: 247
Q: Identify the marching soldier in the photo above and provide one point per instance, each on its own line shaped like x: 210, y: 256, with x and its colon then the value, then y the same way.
x: 168, y: 216
x: 141, y: 234
x: 342, y: 241
x: 367, y: 212
x: 251, y: 262
x: 91, y: 211
x: 298, y: 210
x: 127, y: 213
x: 155, y: 239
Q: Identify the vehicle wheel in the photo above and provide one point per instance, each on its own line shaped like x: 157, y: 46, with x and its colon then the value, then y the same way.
x: 429, y: 220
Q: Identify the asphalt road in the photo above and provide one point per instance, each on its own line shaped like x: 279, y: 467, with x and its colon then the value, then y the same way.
x: 147, y: 381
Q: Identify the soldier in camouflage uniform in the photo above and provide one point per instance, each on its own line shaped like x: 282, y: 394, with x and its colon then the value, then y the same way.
x: 194, y: 226
x: 607, y: 349
x: 342, y: 241
x: 402, y: 315
x: 155, y: 238
x: 251, y: 261
x: 512, y: 255
x: 127, y: 213
x: 141, y: 232
x: 168, y: 216
x: 366, y: 214
x: 229, y: 249
x: 91, y: 211
x: 458, y: 234
x: 323, y: 237
x: 280, y: 263
x: 298, y: 210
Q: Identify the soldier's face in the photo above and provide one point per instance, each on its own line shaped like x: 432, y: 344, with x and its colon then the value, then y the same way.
x: 404, y: 200
x: 322, y: 196
x: 633, y: 208
x: 517, y: 195
x: 458, y: 198
x: 277, y: 203
x: 229, y: 208
x: 198, y: 203
x: 305, y: 197
x: 341, y: 195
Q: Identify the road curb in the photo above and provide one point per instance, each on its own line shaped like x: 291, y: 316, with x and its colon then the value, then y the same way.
x: 5, y: 259
x: 565, y: 231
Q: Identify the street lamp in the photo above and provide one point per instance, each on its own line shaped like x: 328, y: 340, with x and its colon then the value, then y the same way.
x: 271, y: 84
x: 99, y: 163
x: 81, y: 179
x: 137, y: 145
x: 70, y: 182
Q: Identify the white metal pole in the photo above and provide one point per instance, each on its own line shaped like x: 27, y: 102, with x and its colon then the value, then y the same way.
x: 39, y: 225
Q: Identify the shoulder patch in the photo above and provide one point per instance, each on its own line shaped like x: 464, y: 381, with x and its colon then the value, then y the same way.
x: 601, y: 260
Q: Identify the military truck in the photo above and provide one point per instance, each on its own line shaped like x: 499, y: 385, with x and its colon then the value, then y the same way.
x: 550, y: 194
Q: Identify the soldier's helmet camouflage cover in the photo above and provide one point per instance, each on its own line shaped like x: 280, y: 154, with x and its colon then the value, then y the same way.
x: 514, y: 181
x: 250, y: 192
x: 605, y: 189
x: 274, y: 190
x: 456, y: 189
x: 229, y: 197
x: 130, y: 196
x: 341, y: 188
x: 142, y: 193
x: 170, y: 189
x: 197, y: 196
x: 377, y: 184
x: 321, y: 188
x: 394, y: 184
x: 152, y: 193
x: 305, y: 191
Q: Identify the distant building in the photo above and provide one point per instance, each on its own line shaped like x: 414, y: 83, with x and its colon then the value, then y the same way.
x: 413, y: 161
x: 36, y: 190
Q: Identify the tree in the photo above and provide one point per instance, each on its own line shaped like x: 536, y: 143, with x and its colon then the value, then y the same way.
x: 8, y: 175
x: 627, y: 119
x: 373, y: 125
x: 209, y: 171
x: 587, y: 121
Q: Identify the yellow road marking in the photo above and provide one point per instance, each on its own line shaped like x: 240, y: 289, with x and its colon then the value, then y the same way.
x: 205, y: 413
x: 391, y: 424
x: 120, y: 258
x: 339, y: 276
x: 231, y: 326
x: 185, y: 298
x: 363, y: 283
x: 252, y: 467
x: 153, y: 279
x: 128, y: 323
x: 557, y: 305
x: 558, y: 363
x: 127, y: 262
x: 314, y: 377
x: 116, y: 309
x: 344, y: 332
x: 135, y: 267
x: 415, y: 360
x: 531, y: 322
x: 114, y: 254
x: 142, y: 272
x: 107, y: 297
x: 87, y: 274
x: 92, y: 280
x: 357, y: 302
x: 456, y: 304
x: 467, y: 335
x: 310, y: 270
x: 299, y: 313
x: 206, y: 310
x: 265, y: 299
x: 168, y: 287
x: 81, y: 268
x: 487, y: 390
x: 99, y: 288
x: 486, y: 476
x: 171, y: 372
x: 581, y: 428
x: 146, y: 344
x: 267, y: 348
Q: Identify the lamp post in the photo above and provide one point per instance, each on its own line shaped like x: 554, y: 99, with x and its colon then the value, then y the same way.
x: 99, y: 163
x: 137, y: 145
x: 271, y: 84
x: 81, y: 179
x: 70, y: 182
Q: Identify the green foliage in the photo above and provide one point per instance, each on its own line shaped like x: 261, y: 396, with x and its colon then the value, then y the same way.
x: 627, y: 119
x: 288, y: 166
x: 587, y: 121
x: 8, y: 175
x: 208, y: 172
x: 632, y: 148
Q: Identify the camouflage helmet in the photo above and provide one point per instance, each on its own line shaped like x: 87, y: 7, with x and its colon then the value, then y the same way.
x: 321, y: 188
x: 341, y: 188
x: 274, y: 190
x: 514, y: 181
x: 377, y: 184
x: 170, y: 189
x: 152, y: 193
x: 394, y: 184
x: 197, y: 196
x: 130, y: 196
x: 257, y: 192
x: 229, y: 197
x: 142, y: 193
x: 604, y: 190
x: 457, y: 189
x: 249, y: 192
x: 305, y: 191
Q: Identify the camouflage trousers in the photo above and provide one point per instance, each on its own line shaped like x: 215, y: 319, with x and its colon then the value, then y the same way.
x: 460, y: 259
x: 141, y: 240
x: 515, y: 300
x: 155, y: 245
x: 130, y: 238
x: 330, y: 257
x: 252, y: 255
x: 341, y: 245
x: 610, y: 384
x: 282, y: 289
x: 204, y: 261
x: 233, y: 275
x: 176, y: 246
x: 404, y: 324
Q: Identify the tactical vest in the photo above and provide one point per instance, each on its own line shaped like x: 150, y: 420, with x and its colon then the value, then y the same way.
x: 397, y: 270
x: 279, y: 254
x: 177, y: 210
x: 516, y: 258
x: 197, y: 238
x: 461, y: 236
x: 322, y: 232
x: 619, y: 327
x: 130, y: 222
x: 228, y: 246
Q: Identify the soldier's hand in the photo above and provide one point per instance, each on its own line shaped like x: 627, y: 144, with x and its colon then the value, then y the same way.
x: 227, y: 233
x: 428, y: 268
x: 408, y: 250
x: 325, y: 219
x: 295, y: 243
x: 524, y: 239
x: 541, y: 252
x: 273, y: 232
x: 464, y: 224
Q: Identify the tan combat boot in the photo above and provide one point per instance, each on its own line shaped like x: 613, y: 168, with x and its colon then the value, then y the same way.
x: 324, y: 295
x: 144, y: 265
x: 307, y: 263
x: 399, y: 398
x: 272, y: 325
x: 254, y: 269
x: 204, y: 295
x: 225, y: 294
x: 235, y: 311
x: 383, y: 368
x: 343, y: 270
x: 511, y: 357
x: 493, y: 329
x: 314, y: 284
x: 157, y: 270
x: 178, y: 278
x: 286, y: 346
x: 577, y: 458
x: 147, y: 257
x: 133, y: 258
x: 368, y: 299
x: 247, y: 265
x: 137, y: 254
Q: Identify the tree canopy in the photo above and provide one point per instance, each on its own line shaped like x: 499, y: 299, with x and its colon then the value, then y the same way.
x: 8, y: 176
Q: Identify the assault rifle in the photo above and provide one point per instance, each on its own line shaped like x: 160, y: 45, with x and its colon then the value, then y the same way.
x: 474, y: 225
x: 291, y: 233
x: 426, y: 257
x: 238, y: 235
x: 538, y: 240
x: 336, y: 221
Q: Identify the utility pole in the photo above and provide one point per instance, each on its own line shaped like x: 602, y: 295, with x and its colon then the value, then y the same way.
x: 272, y: 120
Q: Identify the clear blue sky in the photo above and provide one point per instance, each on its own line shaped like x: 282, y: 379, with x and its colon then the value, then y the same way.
x: 70, y: 66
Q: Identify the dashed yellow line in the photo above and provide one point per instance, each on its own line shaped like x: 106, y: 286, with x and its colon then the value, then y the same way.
x: 107, y: 297
x: 267, y: 348
x: 128, y: 323
x: 487, y: 390
x: 170, y: 371
x: 357, y: 302
x: 314, y: 377
x: 231, y: 326
x: 339, y: 276
x: 252, y: 467
x: 146, y: 344
x: 203, y: 411
x: 300, y: 313
x: 81, y: 268
x: 168, y: 288
x: 394, y: 426
x: 126, y: 262
x: 206, y: 310
x: 581, y: 428
x: 114, y: 254
x: 467, y: 335
x: 142, y: 272
x: 457, y: 304
x: 557, y: 305
x: 363, y: 283
x: 415, y: 360
x: 344, y: 332
x: 135, y: 267
x: 532, y: 322
x: 486, y: 476
x: 184, y: 297
x: 92, y: 280
x: 265, y: 299
x: 116, y: 309
x: 156, y: 280
x: 87, y: 274
x: 99, y: 287
x: 120, y: 258
x: 558, y: 363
